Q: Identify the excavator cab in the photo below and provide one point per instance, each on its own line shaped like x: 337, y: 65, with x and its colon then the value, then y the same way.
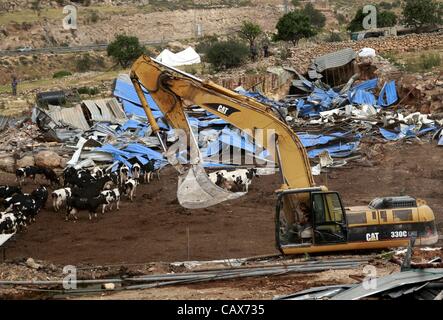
x: 307, y: 217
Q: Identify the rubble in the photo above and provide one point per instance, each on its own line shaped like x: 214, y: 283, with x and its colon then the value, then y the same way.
x: 48, y: 159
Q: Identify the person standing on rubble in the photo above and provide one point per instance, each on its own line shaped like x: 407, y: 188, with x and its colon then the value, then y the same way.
x: 14, y: 84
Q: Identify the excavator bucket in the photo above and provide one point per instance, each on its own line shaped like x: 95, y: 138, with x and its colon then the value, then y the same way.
x: 196, y: 190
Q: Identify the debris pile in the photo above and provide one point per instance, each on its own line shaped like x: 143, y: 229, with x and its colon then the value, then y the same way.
x: 302, y: 56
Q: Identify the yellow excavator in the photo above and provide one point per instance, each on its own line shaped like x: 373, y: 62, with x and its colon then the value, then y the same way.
x: 309, y: 218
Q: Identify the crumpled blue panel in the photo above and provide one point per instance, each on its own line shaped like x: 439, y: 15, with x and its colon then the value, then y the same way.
x: 366, y: 85
x: 112, y: 150
x: 337, y: 150
x: 311, y: 140
x: 363, y: 97
x: 131, y: 108
x: 407, y: 132
x: 144, y: 150
x: 126, y: 91
x: 230, y: 138
x: 389, y: 92
x: 197, y: 123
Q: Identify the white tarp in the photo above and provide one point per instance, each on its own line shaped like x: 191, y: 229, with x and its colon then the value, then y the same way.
x: 183, y: 58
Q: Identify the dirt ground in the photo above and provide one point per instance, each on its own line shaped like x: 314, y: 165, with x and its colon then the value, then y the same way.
x: 154, y: 227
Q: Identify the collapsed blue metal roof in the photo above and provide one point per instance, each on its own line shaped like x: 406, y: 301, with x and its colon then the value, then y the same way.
x: 388, y: 95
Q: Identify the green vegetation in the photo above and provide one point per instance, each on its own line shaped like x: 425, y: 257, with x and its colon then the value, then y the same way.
x: 386, y: 19
x: 92, y: 17
x: 294, y: 26
x: 316, y: 18
x: 334, y: 37
x: 86, y: 62
x: 125, y: 49
x: 205, y: 44
x: 341, y: 19
x: 421, y: 13
x: 92, y: 91
x: 429, y: 61
x: 414, y: 62
x: 250, y: 31
x: 61, y: 74
x: 227, y: 54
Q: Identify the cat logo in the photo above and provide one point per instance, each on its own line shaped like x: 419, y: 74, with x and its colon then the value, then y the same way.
x: 372, y: 236
x: 223, y: 109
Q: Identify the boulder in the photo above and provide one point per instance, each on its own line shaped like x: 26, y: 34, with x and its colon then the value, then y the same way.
x: 32, y: 264
x: 25, y: 162
x: 48, y: 159
x: 64, y: 162
x: 7, y: 164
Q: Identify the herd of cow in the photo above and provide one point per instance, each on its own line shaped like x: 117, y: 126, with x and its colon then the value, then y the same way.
x: 87, y: 190
x: 82, y: 189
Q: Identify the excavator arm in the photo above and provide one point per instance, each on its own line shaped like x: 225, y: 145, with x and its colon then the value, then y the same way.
x: 174, y: 91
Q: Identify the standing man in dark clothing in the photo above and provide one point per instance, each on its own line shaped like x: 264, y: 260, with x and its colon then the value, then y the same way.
x: 265, y: 50
x: 14, y: 84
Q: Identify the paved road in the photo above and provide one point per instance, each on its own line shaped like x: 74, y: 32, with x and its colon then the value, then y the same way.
x: 95, y: 47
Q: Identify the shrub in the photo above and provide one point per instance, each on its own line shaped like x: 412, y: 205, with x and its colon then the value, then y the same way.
x: 334, y: 37
x: 84, y: 63
x: 294, y: 26
x: 429, y: 61
x: 125, y: 49
x: 420, y: 13
x: 205, y: 44
x: 227, y: 54
x: 88, y: 90
x: 61, y: 74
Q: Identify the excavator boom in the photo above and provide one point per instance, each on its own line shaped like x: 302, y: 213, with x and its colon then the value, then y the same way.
x: 174, y: 91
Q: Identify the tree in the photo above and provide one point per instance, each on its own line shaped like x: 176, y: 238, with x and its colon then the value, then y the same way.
x: 294, y: 26
x: 227, y: 54
x: 250, y: 32
x: 420, y: 13
x: 316, y: 18
x: 356, y: 24
x: 386, y: 19
x: 125, y: 49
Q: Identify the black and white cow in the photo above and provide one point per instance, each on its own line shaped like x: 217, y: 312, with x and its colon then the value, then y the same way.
x: 8, y: 223
x: 237, y: 179
x: 27, y: 172
x: 112, y: 197
x: 147, y: 169
x: 136, y: 171
x: 124, y: 174
x: 97, y: 173
x: 59, y: 198
x: 129, y: 188
x: 9, y: 191
x: 75, y: 204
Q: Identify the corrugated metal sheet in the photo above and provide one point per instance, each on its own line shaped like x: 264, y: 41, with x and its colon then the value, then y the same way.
x: 335, y: 59
x: 389, y: 91
x: 70, y: 116
x: 390, y: 282
x: 116, y: 109
x: 105, y: 111
x: 4, y: 122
